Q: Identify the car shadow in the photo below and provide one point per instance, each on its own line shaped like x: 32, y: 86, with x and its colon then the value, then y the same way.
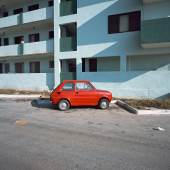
x: 42, y: 103
x: 45, y: 103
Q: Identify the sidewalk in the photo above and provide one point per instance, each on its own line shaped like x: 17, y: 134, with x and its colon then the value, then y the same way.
x: 19, y: 96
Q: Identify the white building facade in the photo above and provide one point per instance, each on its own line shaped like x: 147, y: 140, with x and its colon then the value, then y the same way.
x: 121, y: 46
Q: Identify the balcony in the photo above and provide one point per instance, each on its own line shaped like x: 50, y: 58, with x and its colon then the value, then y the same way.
x: 11, y: 50
x: 38, y: 47
x: 10, y: 21
x: 68, y: 44
x: 42, y: 47
x: 151, y: 1
x: 37, y: 15
x: 68, y: 7
x: 27, y: 17
x: 155, y: 33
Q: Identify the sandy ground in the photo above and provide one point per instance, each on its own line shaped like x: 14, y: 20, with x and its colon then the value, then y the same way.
x: 36, y: 136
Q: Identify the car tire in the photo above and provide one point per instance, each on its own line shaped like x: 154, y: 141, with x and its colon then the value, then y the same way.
x: 104, y: 104
x: 63, y: 105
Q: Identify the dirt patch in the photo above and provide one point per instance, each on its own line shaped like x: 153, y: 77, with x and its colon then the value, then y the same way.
x: 25, y: 92
x: 21, y: 122
x: 146, y: 104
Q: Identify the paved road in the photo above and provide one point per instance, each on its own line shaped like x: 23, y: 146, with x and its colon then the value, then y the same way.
x: 38, y: 137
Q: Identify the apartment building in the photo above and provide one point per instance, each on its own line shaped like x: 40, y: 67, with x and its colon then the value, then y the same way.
x: 122, y: 46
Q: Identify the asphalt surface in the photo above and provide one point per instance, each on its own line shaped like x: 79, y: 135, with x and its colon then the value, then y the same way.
x: 36, y: 136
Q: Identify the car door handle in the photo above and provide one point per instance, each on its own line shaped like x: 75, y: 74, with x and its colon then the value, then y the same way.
x: 77, y: 92
x: 58, y: 92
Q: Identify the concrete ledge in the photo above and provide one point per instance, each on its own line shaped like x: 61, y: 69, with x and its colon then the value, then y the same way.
x: 15, y: 97
x: 155, y: 112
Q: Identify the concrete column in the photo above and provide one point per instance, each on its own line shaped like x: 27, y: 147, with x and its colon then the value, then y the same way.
x: 123, y: 63
x: 57, y: 65
x: 79, y: 67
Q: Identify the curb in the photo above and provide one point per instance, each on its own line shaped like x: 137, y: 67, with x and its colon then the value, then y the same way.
x: 18, y: 97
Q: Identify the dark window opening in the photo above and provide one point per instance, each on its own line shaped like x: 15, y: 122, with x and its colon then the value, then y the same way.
x: 72, y: 67
x: 50, y: 3
x: 18, y: 11
x: 34, y: 37
x: 19, y: 39
x: 7, y: 68
x: 5, y: 14
x: 1, y: 68
x: 0, y: 42
x: 6, y: 41
x: 51, y: 64
x: 19, y: 67
x: 35, y: 67
x: 127, y: 22
x: 33, y: 7
x: 51, y: 34
x: 93, y: 65
x: 83, y: 65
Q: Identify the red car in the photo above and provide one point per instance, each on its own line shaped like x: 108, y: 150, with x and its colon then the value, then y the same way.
x: 79, y: 93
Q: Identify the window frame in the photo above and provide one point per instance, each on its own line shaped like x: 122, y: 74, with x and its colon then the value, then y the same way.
x: 17, y: 11
x: 115, y: 20
x: 73, y: 87
x: 34, y: 37
x: 85, y: 89
x: 33, y: 7
x: 21, y: 69
x: 37, y: 69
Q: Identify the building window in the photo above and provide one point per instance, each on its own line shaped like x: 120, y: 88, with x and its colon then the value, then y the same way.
x: 34, y: 37
x: 33, y: 7
x: 19, y: 67
x: 51, y: 34
x: 35, y: 67
x: 50, y: 3
x: 18, y: 11
x: 6, y: 41
x: 5, y: 14
x: 93, y: 65
x: 0, y: 42
x: 7, y: 67
x: 83, y: 65
x: 124, y: 22
x: 51, y: 64
x: 1, y: 68
x: 19, y: 39
x: 71, y: 66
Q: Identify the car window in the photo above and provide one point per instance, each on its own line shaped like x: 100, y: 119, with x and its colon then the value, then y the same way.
x: 68, y: 86
x: 83, y: 86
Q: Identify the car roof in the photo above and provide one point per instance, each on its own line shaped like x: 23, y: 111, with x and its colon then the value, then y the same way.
x: 74, y: 81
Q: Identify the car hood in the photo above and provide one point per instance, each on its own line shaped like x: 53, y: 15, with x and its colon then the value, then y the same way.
x: 103, y: 91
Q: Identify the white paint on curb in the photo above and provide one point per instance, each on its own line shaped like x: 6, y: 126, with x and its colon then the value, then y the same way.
x: 6, y: 96
x: 155, y: 112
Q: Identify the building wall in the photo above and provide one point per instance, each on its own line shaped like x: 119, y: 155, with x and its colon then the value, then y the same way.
x: 27, y: 81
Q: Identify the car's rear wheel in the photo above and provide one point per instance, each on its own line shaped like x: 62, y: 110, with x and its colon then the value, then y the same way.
x: 63, y: 105
x: 104, y: 104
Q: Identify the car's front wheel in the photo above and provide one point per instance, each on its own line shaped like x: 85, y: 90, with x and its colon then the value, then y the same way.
x: 104, y: 104
x: 63, y: 105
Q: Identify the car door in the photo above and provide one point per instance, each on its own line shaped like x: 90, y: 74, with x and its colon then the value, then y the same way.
x: 85, y: 94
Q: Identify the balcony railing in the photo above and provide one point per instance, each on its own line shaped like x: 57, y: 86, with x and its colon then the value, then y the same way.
x: 68, y: 7
x: 68, y: 44
x: 9, y: 21
x: 38, y: 47
x: 38, y: 15
x: 41, y: 47
x: 155, y: 31
x: 11, y: 50
x: 27, y: 17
